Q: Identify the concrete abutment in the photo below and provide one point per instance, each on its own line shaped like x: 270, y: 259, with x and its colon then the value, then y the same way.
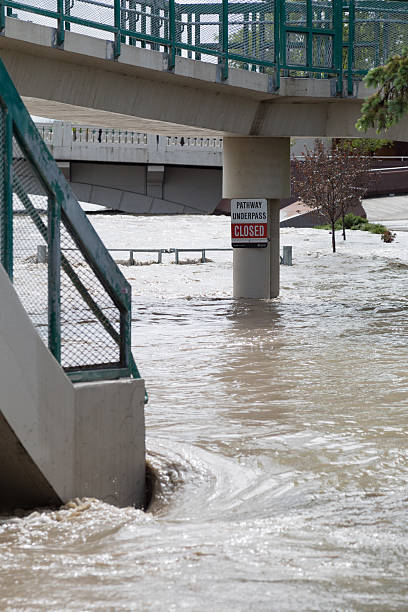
x: 257, y: 167
x: 59, y: 440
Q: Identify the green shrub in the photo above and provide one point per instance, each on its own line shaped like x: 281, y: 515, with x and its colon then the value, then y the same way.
x: 388, y: 236
x: 354, y: 222
x: 351, y: 220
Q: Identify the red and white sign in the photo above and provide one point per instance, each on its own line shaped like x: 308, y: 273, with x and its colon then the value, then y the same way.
x: 249, y: 223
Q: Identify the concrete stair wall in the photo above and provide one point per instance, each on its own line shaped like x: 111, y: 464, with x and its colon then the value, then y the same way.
x: 59, y: 440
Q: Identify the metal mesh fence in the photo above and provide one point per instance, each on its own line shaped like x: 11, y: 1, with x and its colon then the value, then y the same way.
x: 251, y: 32
x: 145, y: 18
x: 96, y: 11
x: 44, y: 5
x: 296, y: 48
x: 309, y: 48
x: 90, y: 323
x: 380, y: 32
x: 379, y: 29
x: 322, y: 51
x: 200, y: 25
x: 85, y: 340
x: 29, y: 239
x: 296, y: 13
x: 322, y: 14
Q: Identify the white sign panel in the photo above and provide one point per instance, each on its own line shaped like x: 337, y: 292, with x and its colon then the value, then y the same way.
x: 249, y: 223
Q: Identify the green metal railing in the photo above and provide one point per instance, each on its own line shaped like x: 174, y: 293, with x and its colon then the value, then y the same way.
x: 342, y: 39
x: 77, y: 299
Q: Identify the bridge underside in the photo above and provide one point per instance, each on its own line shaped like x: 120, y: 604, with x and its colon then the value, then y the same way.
x: 153, y: 190
x: 83, y: 83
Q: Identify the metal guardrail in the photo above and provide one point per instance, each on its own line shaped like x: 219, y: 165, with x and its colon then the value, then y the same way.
x: 320, y: 38
x: 202, y: 251
x: 285, y: 258
x: 79, y: 302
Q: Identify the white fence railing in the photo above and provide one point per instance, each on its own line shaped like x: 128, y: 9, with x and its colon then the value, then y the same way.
x: 65, y: 134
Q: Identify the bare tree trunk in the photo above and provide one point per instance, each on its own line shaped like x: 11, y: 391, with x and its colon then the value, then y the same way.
x: 333, y: 237
x: 342, y: 220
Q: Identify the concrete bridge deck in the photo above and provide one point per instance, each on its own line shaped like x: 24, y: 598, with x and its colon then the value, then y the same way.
x: 75, y: 142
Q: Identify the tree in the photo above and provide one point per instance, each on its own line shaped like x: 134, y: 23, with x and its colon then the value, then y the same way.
x: 389, y: 103
x: 331, y: 181
x: 365, y: 146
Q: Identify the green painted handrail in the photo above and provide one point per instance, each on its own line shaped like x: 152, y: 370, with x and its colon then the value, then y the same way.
x: 62, y: 207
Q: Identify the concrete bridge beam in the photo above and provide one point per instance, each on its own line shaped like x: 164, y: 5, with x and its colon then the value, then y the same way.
x: 256, y: 167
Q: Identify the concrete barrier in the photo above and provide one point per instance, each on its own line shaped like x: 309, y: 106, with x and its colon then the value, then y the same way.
x: 59, y: 440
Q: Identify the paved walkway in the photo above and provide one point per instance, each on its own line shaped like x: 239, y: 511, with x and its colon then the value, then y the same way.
x: 390, y: 210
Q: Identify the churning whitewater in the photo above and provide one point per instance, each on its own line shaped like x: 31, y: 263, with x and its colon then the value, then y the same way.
x: 277, y: 430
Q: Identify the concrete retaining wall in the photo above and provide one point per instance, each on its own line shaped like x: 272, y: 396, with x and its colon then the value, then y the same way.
x: 59, y: 440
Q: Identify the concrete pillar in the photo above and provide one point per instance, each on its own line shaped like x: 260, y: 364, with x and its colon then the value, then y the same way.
x: 257, y: 167
x: 154, y: 181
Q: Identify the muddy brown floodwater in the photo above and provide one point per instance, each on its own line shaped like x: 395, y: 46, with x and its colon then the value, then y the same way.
x: 278, y: 431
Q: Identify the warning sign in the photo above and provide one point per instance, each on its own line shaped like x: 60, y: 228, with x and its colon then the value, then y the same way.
x: 249, y: 223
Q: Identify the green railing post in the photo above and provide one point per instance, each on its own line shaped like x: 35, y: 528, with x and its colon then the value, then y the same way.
x: 350, y: 54
x: 123, y: 20
x: 54, y: 278
x: 224, y: 39
x: 6, y: 216
x: 338, y: 43
x: 125, y: 335
x: 117, y: 22
x: 60, y: 27
x: 132, y: 20
x: 172, y: 36
x: 2, y: 15
x: 309, y: 35
x: 278, y: 25
x: 67, y: 13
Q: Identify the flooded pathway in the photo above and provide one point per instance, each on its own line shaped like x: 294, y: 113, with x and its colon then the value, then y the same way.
x: 278, y: 430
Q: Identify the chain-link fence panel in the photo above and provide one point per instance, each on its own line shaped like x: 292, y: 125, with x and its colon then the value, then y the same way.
x: 296, y: 13
x: 322, y: 14
x: 380, y: 32
x: 199, y: 25
x: 309, y: 31
x: 35, y: 17
x: 30, y: 241
x: 146, y: 18
x: 90, y: 322
x: 367, y: 34
x: 251, y: 32
x: 95, y: 11
x: 296, y: 54
x: 322, y: 51
x: 394, y: 30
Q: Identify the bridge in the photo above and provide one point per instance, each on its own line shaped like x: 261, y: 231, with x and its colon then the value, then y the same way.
x: 137, y: 172
x: 142, y: 173
x: 146, y: 77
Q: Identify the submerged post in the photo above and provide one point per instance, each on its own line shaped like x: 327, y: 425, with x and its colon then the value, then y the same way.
x: 41, y: 253
x: 287, y: 255
x: 257, y: 167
